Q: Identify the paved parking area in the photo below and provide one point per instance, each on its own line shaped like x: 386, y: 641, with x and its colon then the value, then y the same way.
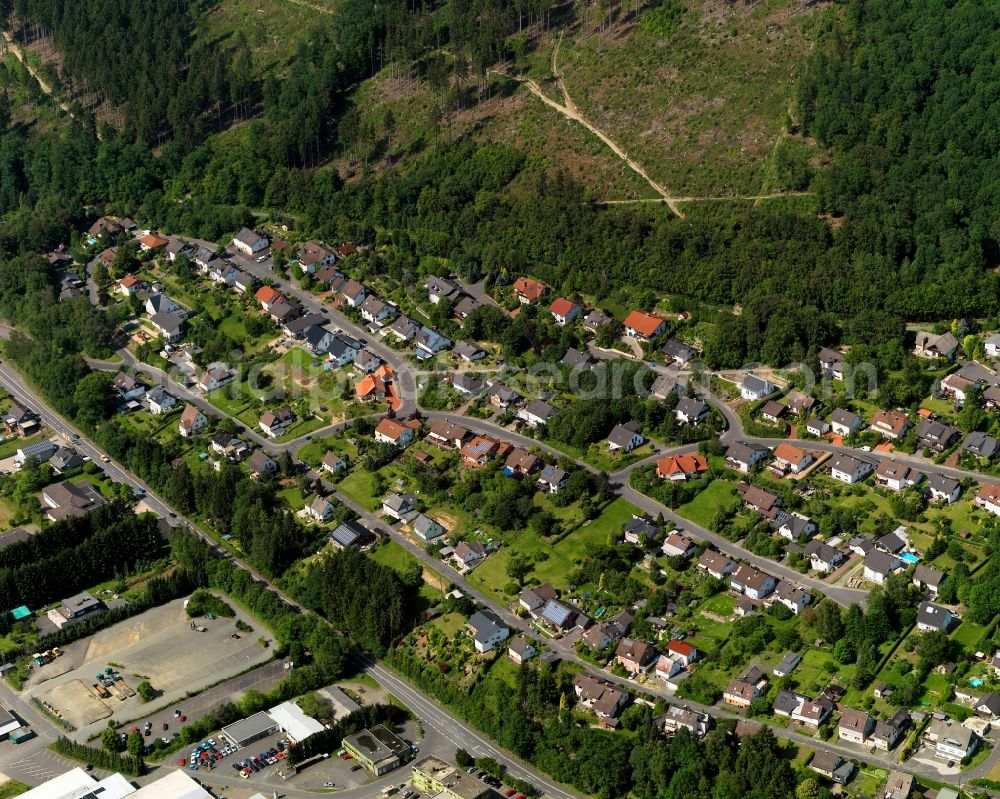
x: 37, y: 768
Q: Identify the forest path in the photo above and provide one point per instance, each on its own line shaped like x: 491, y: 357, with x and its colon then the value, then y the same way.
x: 19, y: 55
x: 569, y: 110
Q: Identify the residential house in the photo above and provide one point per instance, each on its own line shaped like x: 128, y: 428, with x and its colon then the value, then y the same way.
x: 564, y: 311
x: 283, y: 311
x: 465, y: 306
x: 521, y: 463
x: 64, y: 500
x: 477, y: 451
x: 796, y: 527
x: 988, y: 706
x: 850, y: 469
x: 552, y: 479
x: 981, y: 445
x: 644, y: 326
x: 678, y: 717
x: 677, y: 545
x: 399, y: 506
x: 823, y: 557
x: 932, y: 618
x: 678, y: 352
x: 320, y: 509
x: 438, y: 288
x: 532, y: 599
x: 468, y: 553
x: 817, y: 427
x: 467, y: 352
x: 664, y: 385
x: 888, y: 732
x: 557, y: 614
x: 426, y: 528
x: 313, y: 255
x: 890, y: 424
x: 861, y: 545
x: 792, y: 596
x: 638, y: 528
x: 754, y: 387
x: 223, y: 273
x: 404, y: 328
x: 349, y: 533
x: 831, y: 363
x: 276, y: 423
x: 740, y: 694
x: 625, y: 437
x: 229, y: 446
x: 520, y: 649
x: 486, y: 630
x: 430, y: 342
x: 598, y: 695
x: 65, y: 459
x: 690, y: 411
x: 73, y: 611
x: 764, y: 502
x: 681, y: 651
x: 855, y: 726
x: 715, y: 564
x: 681, y: 467
x: 340, y: 351
x: 296, y: 328
x: 39, y: 452
x: 752, y: 582
x: 988, y: 498
x: 536, y: 413
x: 635, y: 656
x: 791, y: 459
x: 802, y: 404
x: 992, y: 345
x: 151, y: 242
x: 129, y: 286
x: 466, y: 383
x: 376, y: 310
x: 943, y: 488
x: 502, y: 397
x: 927, y: 578
x: 446, y: 435
x: 268, y: 296
x: 742, y: 456
x: 833, y: 767
x: 353, y: 293
x: 595, y: 319
x: 250, y: 242
x: 192, y: 422
x: 216, y: 377
x: 575, y: 359
x: 844, y: 423
x: 389, y: 431
x: 261, y: 464
x: 244, y: 283
x: 128, y: 386
x: 932, y: 345
x: 951, y: 740
x: 529, y: 291
x: 169, y: 325
x: 319, y: 339
x: 105, y: 228
x: 159, y: 401
x: 366, y: 361
x: 772, y: 411
x: 378, y: 387
x: 899, y: 785
x: 896, y: 476
x: 161, y: 303
x: 935, y: 436
x: 878, y: 565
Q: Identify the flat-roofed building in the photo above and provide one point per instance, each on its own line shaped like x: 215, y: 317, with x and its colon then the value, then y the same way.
x: 378, y: 749
x: 434, y: 777
x: 246, y: 731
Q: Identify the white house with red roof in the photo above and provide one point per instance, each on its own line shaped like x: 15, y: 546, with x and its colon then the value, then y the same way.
x: 564, y: 310
x: 642, y: 325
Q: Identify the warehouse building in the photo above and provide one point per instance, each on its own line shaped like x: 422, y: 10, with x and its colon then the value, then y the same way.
x: 247, y: 731
x: 379, y: 750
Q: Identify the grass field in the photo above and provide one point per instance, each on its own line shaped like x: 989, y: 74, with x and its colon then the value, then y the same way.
x: 552, y: 562
x: 720, y: 495
x: 9, y: 446
x: 393, y: 555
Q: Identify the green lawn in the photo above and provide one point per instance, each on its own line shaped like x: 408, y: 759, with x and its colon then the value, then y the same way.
x: 357, y: 485
x: 552, y: 562
x: 968, y: 634
x: 10, y: 446
x: 393, y: 555
x: 719, y: 495
x: 450, y: 623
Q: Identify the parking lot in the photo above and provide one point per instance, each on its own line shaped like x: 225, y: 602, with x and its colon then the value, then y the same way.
x: 159, y: 646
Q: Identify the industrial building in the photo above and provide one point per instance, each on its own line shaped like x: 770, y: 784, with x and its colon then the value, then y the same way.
x: 379, y: 750
x: 434, y: 777
x: 78, y: 784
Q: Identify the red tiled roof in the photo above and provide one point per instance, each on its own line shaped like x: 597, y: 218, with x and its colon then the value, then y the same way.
x: 529, y: 288
x: 561, y: 306
x: 642, y: 323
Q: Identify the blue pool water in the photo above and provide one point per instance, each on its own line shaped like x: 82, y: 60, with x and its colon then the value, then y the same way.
x: 909, y: 558
x: 975, y: 682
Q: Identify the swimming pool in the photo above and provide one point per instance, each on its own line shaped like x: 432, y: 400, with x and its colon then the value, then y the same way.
x: 909, y: 557
x: 975, y: 682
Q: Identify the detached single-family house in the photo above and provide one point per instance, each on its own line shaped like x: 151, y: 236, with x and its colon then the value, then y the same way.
x: 817, y: 427
x: 931, y: 617
x: 690, y: 411
x: 468, y: 553
x: 932, y: 345
x: 600, y: 696
x: 896, y: 476
x: 772, y: 411
x: 399, y: 506
x: 275, y: 423
x: 635, y: 656
x: 353, y: 293
x: 446, y: 435
x: 625, y: 437
x: 890, y: 424
x: 715, y: 564
x: 988, y: 498
x: 487, y: 630
x: 927, y: 578
x: 404, y: 328
x: 888, y: 732
x: 796, y: 527
x: 564, y: 311
x: 536, y: 413
x: 426, y: 528
x: 850, y: 469
x: 742, y: 456
x: 261, y: 464
x: 791, y: 459
x: 681, y: 467
x: 159, y: 401
x: 844, y: 423
x: 170, y: 325
x: 792, y: 596
x: 981, y: 445
x: 160, y: 303
x: 595, y: 319
x: 855, y: 726
x: 833, y: 767
x: 389, y: 431
x: 575, y: 359
x: 314, y: 255
x: 552, y: 479
x: 520, y: 649
x: 529, y: 291
x: 752, y: 582
x: 831, y: 363
x: 755, y: 388
x: 677, y: 545
x: 935, y: 436
x: 128, y: 386
x: 678, y: 352
x: 952, y: 741
x: 438, y: 288
x: 678, y: 717
x: 250, y: 242
x: 468, y: 352
x: 644, y: 326
x: 192, y: 422
x: 215, y: 377
x: 376, y: 310
x: 430, y: 342
x: 878, y: 565
x: 823, y: 557
x: 320, y: 509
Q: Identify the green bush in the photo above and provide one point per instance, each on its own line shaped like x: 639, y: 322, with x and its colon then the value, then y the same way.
x: 663, y: 19
x: 202, y: 602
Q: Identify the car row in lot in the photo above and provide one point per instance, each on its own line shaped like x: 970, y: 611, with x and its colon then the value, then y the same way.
x: 250, y: 765
x: 493, y: 782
